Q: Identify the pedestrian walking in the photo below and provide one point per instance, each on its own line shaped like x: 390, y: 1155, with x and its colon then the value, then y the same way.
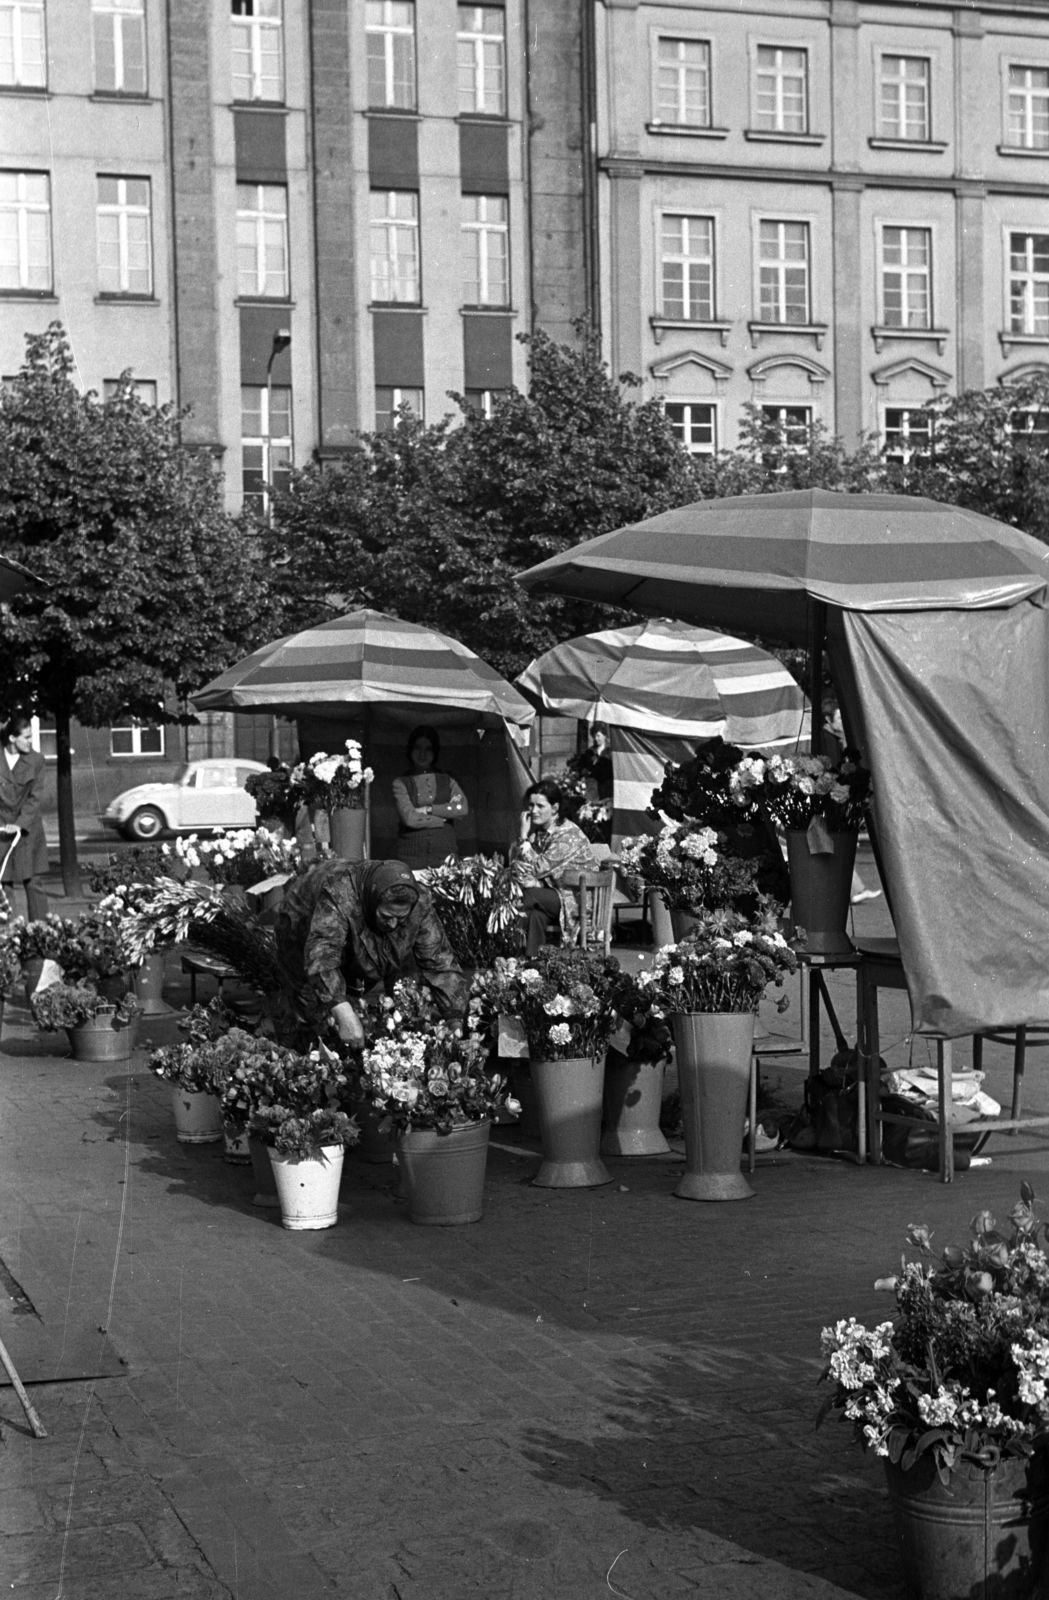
x: 21, y: 796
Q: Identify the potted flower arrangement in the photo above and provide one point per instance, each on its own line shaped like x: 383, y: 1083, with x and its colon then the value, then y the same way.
x: 565, y: 1000
x: 306, y: 1150
x: 127, y: 883
x: 99, y: 1028
x: 276, y: 801
x: 478, y: 901
x: 693, y: 872
x: 706, y: 790
x: 952, y: 1394
x: 339, y: 785
x: 710, y: 985
x: 189, y: 1068
x: 428, y: 1081
x: 820, y: 804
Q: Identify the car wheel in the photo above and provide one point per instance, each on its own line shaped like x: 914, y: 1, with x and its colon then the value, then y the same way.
x: 146, y: 823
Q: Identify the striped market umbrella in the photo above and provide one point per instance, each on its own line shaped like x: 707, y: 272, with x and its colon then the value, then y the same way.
x: 360, y: 659
x: 670, y: 678
x: 761, y: 563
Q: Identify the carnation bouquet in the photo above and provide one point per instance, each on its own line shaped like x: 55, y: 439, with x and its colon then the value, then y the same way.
x: 795, y: 790
x: 962, y: 1371
x: 478, y: 902
x: 565, y: 998
x: 724, y: 965
x: 333, y: 781
x: 690, y: 867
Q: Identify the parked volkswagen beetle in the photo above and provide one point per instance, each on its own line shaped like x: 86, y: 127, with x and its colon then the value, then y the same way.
x: 207, y: 794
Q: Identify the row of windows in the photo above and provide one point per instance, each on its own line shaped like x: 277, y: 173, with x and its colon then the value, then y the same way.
x: 784, y: 286
x: 683, y: 94
x: 125, y: 258
x: 118, y: 40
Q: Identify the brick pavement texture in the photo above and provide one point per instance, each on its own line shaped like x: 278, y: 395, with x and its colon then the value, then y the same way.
x: 588, y: 1392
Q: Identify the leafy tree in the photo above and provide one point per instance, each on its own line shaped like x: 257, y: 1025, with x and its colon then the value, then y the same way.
x: 151, y: 586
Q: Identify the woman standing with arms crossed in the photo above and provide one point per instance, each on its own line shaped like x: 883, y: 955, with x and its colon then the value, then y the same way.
x: 429, y: 803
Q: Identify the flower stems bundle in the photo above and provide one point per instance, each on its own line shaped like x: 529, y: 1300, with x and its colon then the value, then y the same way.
x: 478, y: 902
x: 214, y: 920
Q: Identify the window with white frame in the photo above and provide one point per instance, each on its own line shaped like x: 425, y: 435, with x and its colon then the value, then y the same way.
x: 118, y: 33
x: 45, y: 737
x: 482, y: 60
x: 25, y: 231
x: 687, y: 267
x: 258, y: 50
x: 265, y: 443
x: 781, y: 90
x: 1029, y: 283
x: 486, y: 250
x: 389, y: 403
x: 135, y: 738
x: 1028, y: 108
x: 783, y: 272
x: 390, y: 32
x: 905, y: 105
x: 395, y: 246
x: 694, y: 424
x: 483, y: 401
x: 683, y: 82
x: 262, y: 241
x: 23, y: 60
x: 143, y: 389
x: 906, y: 277
x: 787, y: 428
x: 906, y: 433
x: 1031, y: 424
x: 125, y: 256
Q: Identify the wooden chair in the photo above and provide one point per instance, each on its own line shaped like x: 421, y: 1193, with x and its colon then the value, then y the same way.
x: 596, y: 891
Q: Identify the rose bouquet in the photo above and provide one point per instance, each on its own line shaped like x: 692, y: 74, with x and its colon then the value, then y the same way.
x: 333, y: 781
x: 691, y: 868
x: 565, y: 998
x: 962, y: 1371
x: 478, y: 902
x: 724, y: 965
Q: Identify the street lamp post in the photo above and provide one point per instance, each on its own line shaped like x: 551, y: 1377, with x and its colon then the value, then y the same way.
x: 281, y: 341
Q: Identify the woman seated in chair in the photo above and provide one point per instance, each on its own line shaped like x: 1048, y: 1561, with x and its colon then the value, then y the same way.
x: 549, y: 849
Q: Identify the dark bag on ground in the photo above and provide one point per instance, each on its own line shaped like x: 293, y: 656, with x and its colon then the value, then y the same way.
x: 919, y: 1146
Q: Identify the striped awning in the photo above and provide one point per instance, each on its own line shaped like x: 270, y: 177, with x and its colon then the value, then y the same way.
x: 756, y: 562
x: 671, y: 678
x: 363, y: 658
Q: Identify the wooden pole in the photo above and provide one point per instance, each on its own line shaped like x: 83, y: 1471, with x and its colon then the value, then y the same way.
x: 27, y: 1405
x: 816, y: 649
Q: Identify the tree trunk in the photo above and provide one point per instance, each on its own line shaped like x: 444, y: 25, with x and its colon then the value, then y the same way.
x: 66, y: 814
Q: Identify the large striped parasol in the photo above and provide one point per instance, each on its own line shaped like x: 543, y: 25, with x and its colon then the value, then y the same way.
x: 670, y: 678
x: 364, y: 658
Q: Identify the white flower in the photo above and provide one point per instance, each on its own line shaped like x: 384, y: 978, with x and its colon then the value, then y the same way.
x: 676, y: 975
x: 560, y: 1033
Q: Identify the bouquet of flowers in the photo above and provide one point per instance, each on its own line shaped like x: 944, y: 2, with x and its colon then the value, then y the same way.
x: 595, y: 819
x: 421, y: 1072
x: 962, y: 1371
x: 88, y: 948
x: 333, y: 781
x: 253, y: 1074
x: 302, y: 1134
x: 137, y: 868
x: 565, y: 999
x: 796, y: 789
x: 12, y: 936
x: 702, y: 789
x: 65, y: 1005
x: 478, y: 902
x: 691, y: 868
x: 274, y: 796
x: 724, y: 965
x: 242, y: 857
x: 195, y: 1064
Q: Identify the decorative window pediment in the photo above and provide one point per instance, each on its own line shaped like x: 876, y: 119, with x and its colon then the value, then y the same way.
x: 719, y: 371
x: 936, y: 377
x: 815, y: 371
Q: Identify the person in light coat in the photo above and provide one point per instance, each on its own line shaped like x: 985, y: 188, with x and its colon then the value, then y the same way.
x: 21, y: 795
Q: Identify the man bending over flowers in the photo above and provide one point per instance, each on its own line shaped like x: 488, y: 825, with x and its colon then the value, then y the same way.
x: 358, y: 923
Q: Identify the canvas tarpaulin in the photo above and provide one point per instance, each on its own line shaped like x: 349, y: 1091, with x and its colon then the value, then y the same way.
x: 952, y: 711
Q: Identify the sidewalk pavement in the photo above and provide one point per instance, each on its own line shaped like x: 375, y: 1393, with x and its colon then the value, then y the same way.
x: 589, y: 1392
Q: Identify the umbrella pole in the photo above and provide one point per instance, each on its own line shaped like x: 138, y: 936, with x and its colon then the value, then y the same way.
x: 818, y: 618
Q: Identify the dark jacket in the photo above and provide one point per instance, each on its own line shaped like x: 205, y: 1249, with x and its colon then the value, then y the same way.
x: 21, y: 794
x: 327, y: 936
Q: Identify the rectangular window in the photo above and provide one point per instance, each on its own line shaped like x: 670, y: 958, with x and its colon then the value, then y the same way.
x: 683, y: 82
x: 262, y: 241
x: 144, y: 389
x: 906, y: 434
x: 22, y: 58
x: 25, y: 231
x: 1029, y: 283
x: 905, y: 98
x: 696, y: 426
x: 258, y: 50
x: 1028, y: 119
x: 390, y: 30
x: 781, y: 97
x: 1031, y: 425
x: 135, y: 738
x: 687, y: 268
x: 388, y: 403
x: 482, y: 60
x: 45, y: 737
x: 483, y: 401
x: 486, y: 250
x: 118, y: 32
x: 266, y: 444
x: 395, y: 246
x: 125, y: 257
x: 788, y: 428
x: 783, y: 269
x: 906, y: 277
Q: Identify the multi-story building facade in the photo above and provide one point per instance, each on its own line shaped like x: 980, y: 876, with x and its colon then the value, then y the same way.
x: 833, y: 209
